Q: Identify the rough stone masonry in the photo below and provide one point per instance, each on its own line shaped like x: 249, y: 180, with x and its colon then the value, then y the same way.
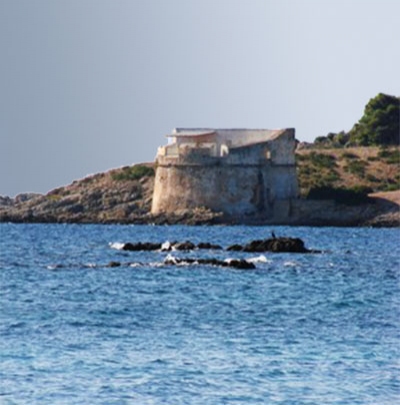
x: 239, y: 172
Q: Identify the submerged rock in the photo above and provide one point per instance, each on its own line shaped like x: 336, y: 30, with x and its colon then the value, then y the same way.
x: 184, y: 246
x: 235, y: 248
x: 240, y: 264
x: 141, y: 246
x: 206, y: 245
x: 234, y: 263
x: 113, y: 264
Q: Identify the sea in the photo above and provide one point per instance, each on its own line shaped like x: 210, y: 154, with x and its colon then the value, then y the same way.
x: 321, y: 328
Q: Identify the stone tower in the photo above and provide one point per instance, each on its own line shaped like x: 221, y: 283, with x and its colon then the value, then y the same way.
x: 240, y: 172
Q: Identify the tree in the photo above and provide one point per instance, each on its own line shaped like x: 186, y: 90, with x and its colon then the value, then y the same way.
x: 380, y: 124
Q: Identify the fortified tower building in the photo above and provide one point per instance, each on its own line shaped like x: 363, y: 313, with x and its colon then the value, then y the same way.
x: 240, y: 172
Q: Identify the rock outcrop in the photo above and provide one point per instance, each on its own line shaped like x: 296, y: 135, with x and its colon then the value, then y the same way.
x: 102, y: 198
x: 106, y: 198
x: 139, y: 247
x: 276, y: 245
x: 234, y: 263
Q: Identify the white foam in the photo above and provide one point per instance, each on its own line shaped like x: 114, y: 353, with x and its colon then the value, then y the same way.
x: 291, y: 264
x: 175, y: 261
x: 259, y: 259
x: 116, y: 245
x: 166, y: 246
x: 170, y: 258
x: 156, y: 264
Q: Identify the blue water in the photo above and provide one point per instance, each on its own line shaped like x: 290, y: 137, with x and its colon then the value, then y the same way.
x: 299, y: 329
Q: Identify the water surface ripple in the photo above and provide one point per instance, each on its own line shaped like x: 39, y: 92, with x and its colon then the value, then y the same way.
x: 299, y: 329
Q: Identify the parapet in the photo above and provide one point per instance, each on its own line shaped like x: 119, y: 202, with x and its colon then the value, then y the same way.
x: 228, y: 146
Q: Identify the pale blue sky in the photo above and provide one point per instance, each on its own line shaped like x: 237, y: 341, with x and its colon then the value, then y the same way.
x: 88, y: 85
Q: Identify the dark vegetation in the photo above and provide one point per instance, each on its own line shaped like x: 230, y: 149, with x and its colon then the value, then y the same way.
x: 356, y: 167
x: 380, y: 125
x: 390, y: 156
x: 341, y: 195
x: 316, y: 170
x: 346, y: 166
x: 371, y: 169
x: 132, y: 173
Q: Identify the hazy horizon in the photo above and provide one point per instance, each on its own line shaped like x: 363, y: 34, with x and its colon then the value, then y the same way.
x: 88, y: 86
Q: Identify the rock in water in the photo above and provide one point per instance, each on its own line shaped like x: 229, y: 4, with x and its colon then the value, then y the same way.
x: 235, y: 248
x: 114, y: 264
x: 277, y: 245
x: 241, y: 264
x: 233, y: 263
x: 206, y: 245
x: 184, y: 246
x: 141, y: 246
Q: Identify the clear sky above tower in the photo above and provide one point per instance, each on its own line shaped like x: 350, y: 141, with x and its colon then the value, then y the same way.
x: 88, y: 85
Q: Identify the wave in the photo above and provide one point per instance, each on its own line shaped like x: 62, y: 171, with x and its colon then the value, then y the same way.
x: 116, y: 245
x: 259, y: 259
x: 167, y: 245
x: 291, y: 264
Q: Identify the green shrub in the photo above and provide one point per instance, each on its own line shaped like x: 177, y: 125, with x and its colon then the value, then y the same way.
x: 391, y: 156
x: 336, y: 140
x: 380, y: 123
x: 331, y: 177
x: 301, y: 158
x: 321, y: 140
x: 372, y: 178
x: 356, y: 167
x: 349, y: 155
x: 362, y: 189
x: 340, y: 195
x: 322, y: 160
x: 54, y: 197
x: 316, y: 170
x: 391, y: 187
x: 132, y: 173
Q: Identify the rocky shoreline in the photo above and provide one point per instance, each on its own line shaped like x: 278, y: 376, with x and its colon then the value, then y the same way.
x: 106, y: 199
x: 340, y: 216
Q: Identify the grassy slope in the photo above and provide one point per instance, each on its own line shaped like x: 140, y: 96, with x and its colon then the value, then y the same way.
x: 118, y: 195
x: 372, y: 167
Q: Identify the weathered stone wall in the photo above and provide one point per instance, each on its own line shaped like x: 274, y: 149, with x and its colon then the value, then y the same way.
x: 229, y: 189
x: 237, y: 190
x: 245, y: 183
x: 282, y: 148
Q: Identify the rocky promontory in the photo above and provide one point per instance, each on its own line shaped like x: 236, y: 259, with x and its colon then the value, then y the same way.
x: 345, y: 179
x: 123, y: 196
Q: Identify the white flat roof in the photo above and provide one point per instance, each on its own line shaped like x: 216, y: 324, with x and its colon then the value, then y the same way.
x: 237, y: 137
x: 190, y: 133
